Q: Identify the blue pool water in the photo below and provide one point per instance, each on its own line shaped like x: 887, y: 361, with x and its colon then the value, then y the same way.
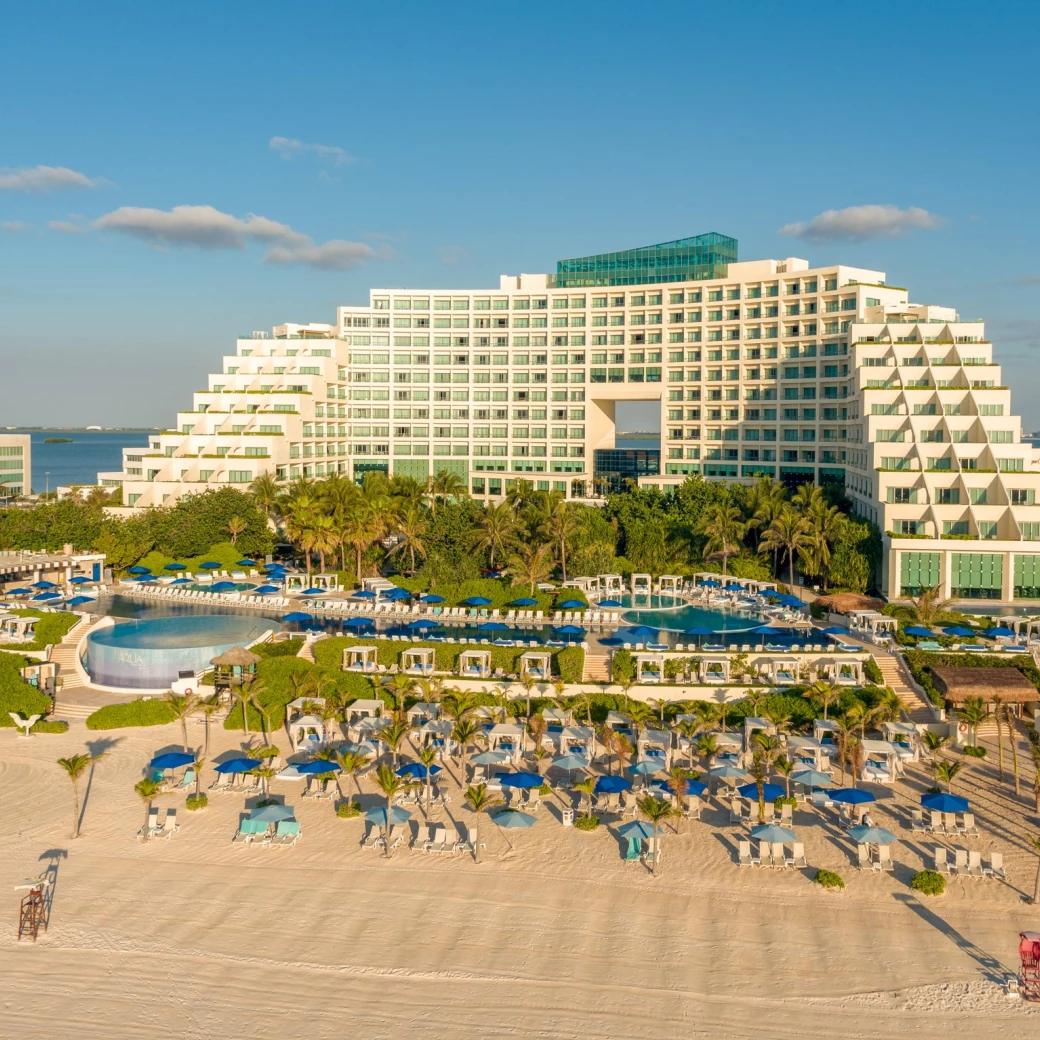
x: 675, y: 614
x: 240, y: 586
x: 151, y: 653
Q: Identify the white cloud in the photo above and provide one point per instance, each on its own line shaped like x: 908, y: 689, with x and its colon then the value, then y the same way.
x: 287, y: 147
x: 13, y: 227
x: 861, y: 222
x: 66, y: 227
x: 44, y: 178
x: 205, y: 227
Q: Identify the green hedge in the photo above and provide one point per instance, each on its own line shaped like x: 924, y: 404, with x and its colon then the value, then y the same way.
x: 566, y: 662
x: 51, y: 629
x: 51, y: 726
x: 873, y: 672
x: 17, y: 695
x: 501, y: 592
x: 283, y: 648
x: 153, y: 712
x: 921, y: 663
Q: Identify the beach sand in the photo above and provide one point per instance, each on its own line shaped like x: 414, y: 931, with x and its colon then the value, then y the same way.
x: 554, y: 937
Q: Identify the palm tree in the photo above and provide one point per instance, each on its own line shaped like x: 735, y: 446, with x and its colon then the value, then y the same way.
x: 707, y: 747
x: 935, y: 743
x: 721, y: 523
x: 246, y: 694
x: 147, y: 790
x: 427, y: 756
x: 494, y: 531
x: 785, y: 767
x: 236, y: 525
x: 929, y: 604
x: 75, y: 767
x: 207, y: 707
x: 457, y: 704
x: 266, y: 493
x: 410, y: 527
x: 679, y: 783
x: 998, y: 715
x: 764, y: 499
x: 464, y: 731
x: 655, y: 811
x: 531, y: 564
x: 974, y: 713
x: 559, y: 525
x: 1010, y: 718
x: 266, y: 774
x: 391, y: 785
x: 588, y: 788
x: 822, y: 691
x: 181, y: 706
x: 1034, y: 844
x: 394, y: 735
x: 946, y: 772
x: 443, y: 486
x: 479, y: 801
x: 846, y: 739
x: 689, y: 729
x: 360, y: 530
x: 352, y: 762
x: 623, y: 749
x: 608, y: 739
x: 788, y: 533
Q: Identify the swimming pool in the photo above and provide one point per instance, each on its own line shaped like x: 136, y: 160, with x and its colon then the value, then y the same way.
x: 151, y: 653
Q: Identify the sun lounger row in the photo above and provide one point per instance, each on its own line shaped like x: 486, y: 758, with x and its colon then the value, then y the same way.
x: 881, y: 862
x: 257, y: 832
x: 771, y: 854
x: 154, y: 829
x: 969, y: 863
x: 438, y: 839
x: 943, y: 823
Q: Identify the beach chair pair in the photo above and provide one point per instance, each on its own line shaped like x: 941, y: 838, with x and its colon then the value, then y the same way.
x: 967, y: 824
x: 883, y: 863
x: 250, y: 831
x: 287, y: 833
x: 149, y: 829
x: 373, y: 839
x: 439, y: 840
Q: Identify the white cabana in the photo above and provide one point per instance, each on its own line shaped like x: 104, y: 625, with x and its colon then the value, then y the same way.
x: 590, y: 586
x: 753, y: 725
x: 809, y: 753
x: 573, y: 740
x: 475, y: 664
x: 41, y: 675
x: 507, y: 736
x: 17, y: 629
x: 422, y: 712
x: 881, y: 762
x: 668, y: 584
x: 616, y: 721
x: 364, y: 709
x: 655, y: 743
x: 536, y: 665
x: 360, y: 659
x: 368, y: 729
x: 306, y: 733
x: 300, y: 582
x: 649, y: 668
x: 714, y: 668
x: 825, y: 731
x: 905, y: 738
x: 844, y: 671
x: 870, y: 622
x: 610, y: 585
x: 779, y: 671
x: 418, y: 660
x: 558, y: 716
x: 728, y: 747
x: 642, y: 584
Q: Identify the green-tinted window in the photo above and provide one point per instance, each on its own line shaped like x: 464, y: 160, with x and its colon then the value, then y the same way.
x: 1027, y: 576
x: 917, y: 571
x: 977, y: 575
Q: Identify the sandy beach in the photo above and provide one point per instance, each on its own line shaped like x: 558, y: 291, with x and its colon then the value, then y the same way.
x: 555, y: 937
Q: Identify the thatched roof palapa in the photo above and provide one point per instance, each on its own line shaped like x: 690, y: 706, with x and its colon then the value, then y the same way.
x: 843, y: 602
x: 237, y: 656
x: 1009, y: 684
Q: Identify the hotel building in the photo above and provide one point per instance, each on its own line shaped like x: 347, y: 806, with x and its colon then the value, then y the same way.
x: 15, y: 465
x: 759, y: 367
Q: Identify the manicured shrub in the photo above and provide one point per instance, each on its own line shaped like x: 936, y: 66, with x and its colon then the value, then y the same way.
x: 622, y: 666
x: 17, y: 695
x: 51, y: 726
x: 783, y: 800
x: 283, y: 648
x: 348, y: 810
x: 196, y: 801
x: 974, y: 750
x: 928, y: 882
x: 872, y: 672
x: 828, y: 879
x: 154, y: 712
x: 586, y: 822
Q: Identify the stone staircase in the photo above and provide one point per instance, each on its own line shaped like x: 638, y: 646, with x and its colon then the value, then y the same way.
x: 892, y: 673
x: 306, y: 652
x: 64, y: 655
x: 597, y: 667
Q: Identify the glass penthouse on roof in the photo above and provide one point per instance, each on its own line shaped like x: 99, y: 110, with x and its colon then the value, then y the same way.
x: 685, y: 259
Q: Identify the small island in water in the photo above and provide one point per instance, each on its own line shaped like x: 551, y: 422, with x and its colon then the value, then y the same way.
x: 57, y: 440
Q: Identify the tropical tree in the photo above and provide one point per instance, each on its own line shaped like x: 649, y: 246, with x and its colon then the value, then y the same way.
x: 824, y: 692
x: 656, y: 812
x: 785, y: 767
x: 394, y: 734
x: 934, y: 742
x: 531, y: 564
x: 928, y: 605
x: 479, y: 800
x: 559, y: 525
x: 789, y: 533
x: 998, y: 715
x: 181, y: 706
x: 352, y: 762
x: 946, y: 772
x: 463, y: 733
x: 246, y: 694
x: 427, y: 756
x: 495, y: 531
x: 266, y: 493
x: 689, y: 729
x: 974, y: 713
x: 679, y: 783
x: 391, y: 785
x: 1011, y: 719
x: 707, y: 747
x: 587, y: 787
x: 411, y: 527
x: 75, y: 766
x: 207, y: 707
x: 444, y: 486
x: 147, y: 790
x: 724, y: 529
x: 236, y: 525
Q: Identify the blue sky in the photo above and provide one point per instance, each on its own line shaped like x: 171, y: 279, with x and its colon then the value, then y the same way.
x: 326, y: 148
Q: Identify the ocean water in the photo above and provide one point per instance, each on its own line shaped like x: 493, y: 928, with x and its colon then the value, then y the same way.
x: 79, y: 462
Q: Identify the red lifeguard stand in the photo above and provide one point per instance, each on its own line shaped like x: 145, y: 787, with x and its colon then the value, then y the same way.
x: 1029, y: 953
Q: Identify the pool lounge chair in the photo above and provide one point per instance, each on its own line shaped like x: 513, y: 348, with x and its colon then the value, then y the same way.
x: 145, y: 832
x: 960, y: 861
x: 287, y: 832
x: 974, y: 863
x: 170, y: 825
x: 941, y: 864
x: 765, y: 854
x: 862, y: 857
x: 373, y: 839
x: 967, y: 824
x: 744, y: 857
x: 779, y: 859
x: 797, y: 857
x: 995, y: 867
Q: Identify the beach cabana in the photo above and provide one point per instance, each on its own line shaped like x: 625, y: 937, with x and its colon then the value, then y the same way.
x: 825, y: 730
x: 714, y: 668
x: 17, y: 629
x: 422, y: 712
x: 642, y: 584
x: 360, y: 659
x: 728, y: 747
x: 881, y: 764
x: 777, y: 671
x: 1009, y: 684
x: 655, y: 743
x: 418, y: 660
x: 558, y: 717
x: 368, y: 730
x: 572, y: 740
x: 809, y: 753
x: 536, y: 665
x: 610, y: 585
x: 845, y: 671
x: 364, y: 709
x: 475, y: 664
x: 41, y: 675
x: 753, y: 725
x: 618, y: 722
x: 905, y: 738
x: 306, y: 733
x: 507, y: 736
x: 649, y: 668
x: 668, y: 584
x: 438, y: 733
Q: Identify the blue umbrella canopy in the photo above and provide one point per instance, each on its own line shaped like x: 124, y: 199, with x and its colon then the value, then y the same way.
x: 769, y: 630
x: 526, y: 781
x: 175, y: 567
x: 423, y: 623
x: 570, y: 762
x: 274, y: 567
x: 263, y: 590
x: 695, y: 787
x: 572, y: 604
x: 711, y: 583
x: 570, y: 630
x: 19, y: 592
x: 273, y: 814
x: 728, y: 772
x: 492, y: 626
x: 646, y: 766
x: 237, y: 765
x: 772, y: 832
x: 136, y: 569
x: 317, y: 767
x: 358, y: 622
x: 432, y: 598
x: 181, y: 581
x: 315, y: 592
x: 78, y: 601
x: 942, y: 802
x: 81, y: 579
x: 871, y: 835
x: 378, y: 815
x: 171, y: 760
x: 921, y: 631
x: 610, y: 603
x: 834, y: 630
x: 960, y: 631
x: 223, y: 586
x: 396, y: 593
x: 297, y: 615
x: 636, y: 829
x: 999, y: 632
x: 44, y: 596
x: 362, y: 594
x: 700, y: 630
x: 512, y: 819
x: 750, y: 791
x: 490, y: 758
x: 525, y: 602
x: 44, y: 585
x: 417, y: 770
x: 851, y: 796
x: 477, y: 601
x: 247, y: 563
x: 612, y: 784
x: 209, y: 565
x: 812, y: 778
x: 637, y: 632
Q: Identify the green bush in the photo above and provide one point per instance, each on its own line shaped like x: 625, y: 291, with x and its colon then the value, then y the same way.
x: 828, y: 879
x: 779, y: 803
x: 586, y: 822
x: 154, y: 712
x: 51, y: 726
x: 283, y: 648
x: 348, y: 810
x: 17, y: 695
x: 974, y: 750
x: 873, y: 672
x: 196, y: 801
x: 50, y: 629
x: 928, y: 882
x: 622, y: 666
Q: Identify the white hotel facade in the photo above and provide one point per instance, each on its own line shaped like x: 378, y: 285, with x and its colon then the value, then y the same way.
x: 760, y: 367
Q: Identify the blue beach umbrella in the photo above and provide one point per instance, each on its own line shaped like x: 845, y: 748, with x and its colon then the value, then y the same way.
x: 171, y: 760
x: 695, y: 787
x: 44, y: 585
x: 136, y: 569
x: 19, y: 592
x: 525, y: 602
x: 298, y: 616
x: 476, y: 601
x: 570, y: 630
x: 431, y: 597
x: 512, y: 819
x: 572, y: 604
x: 646, y: 766
x: 378, y: 815
x: 417, y: 770
x: 237, y: 765
x: 274, y: 567
x: 636, y: 829
x: 812, y: 778
x: 396, y: 593
x: 851, y: 796
x: 490, y: 758
x: 569, y: 763
x: 422, y: 624
x: 711, y: 583
x: 728, y: 772
x: 209, y: 565
x: 317, y: 767
x: 612, y: 784
x: 78, y: 601
x: 358, y: 622
x: 247, y: 563
x: 942, y: 802
x: 1000, y: 632
x: 42, y: 597
x: 175, y: 567
x: 871, y: 835
x: 834, y: 630
x: 524, y: 781
x: 362, y: 594
x: 920, y: 631
x: 263, y: 590
x: 223, y: 586
x: 750, y: 791
x: 638, y: 633
x: 610, y: 603
x: 492, y: 626
x: 959, y: 631
x: 181, y: 581
x: 772, y: 832
x: 315, y: 592
x: 700, y: 630
x: 81, y: 579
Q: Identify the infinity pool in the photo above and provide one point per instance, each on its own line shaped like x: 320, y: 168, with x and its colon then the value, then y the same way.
x: 151, y: 653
